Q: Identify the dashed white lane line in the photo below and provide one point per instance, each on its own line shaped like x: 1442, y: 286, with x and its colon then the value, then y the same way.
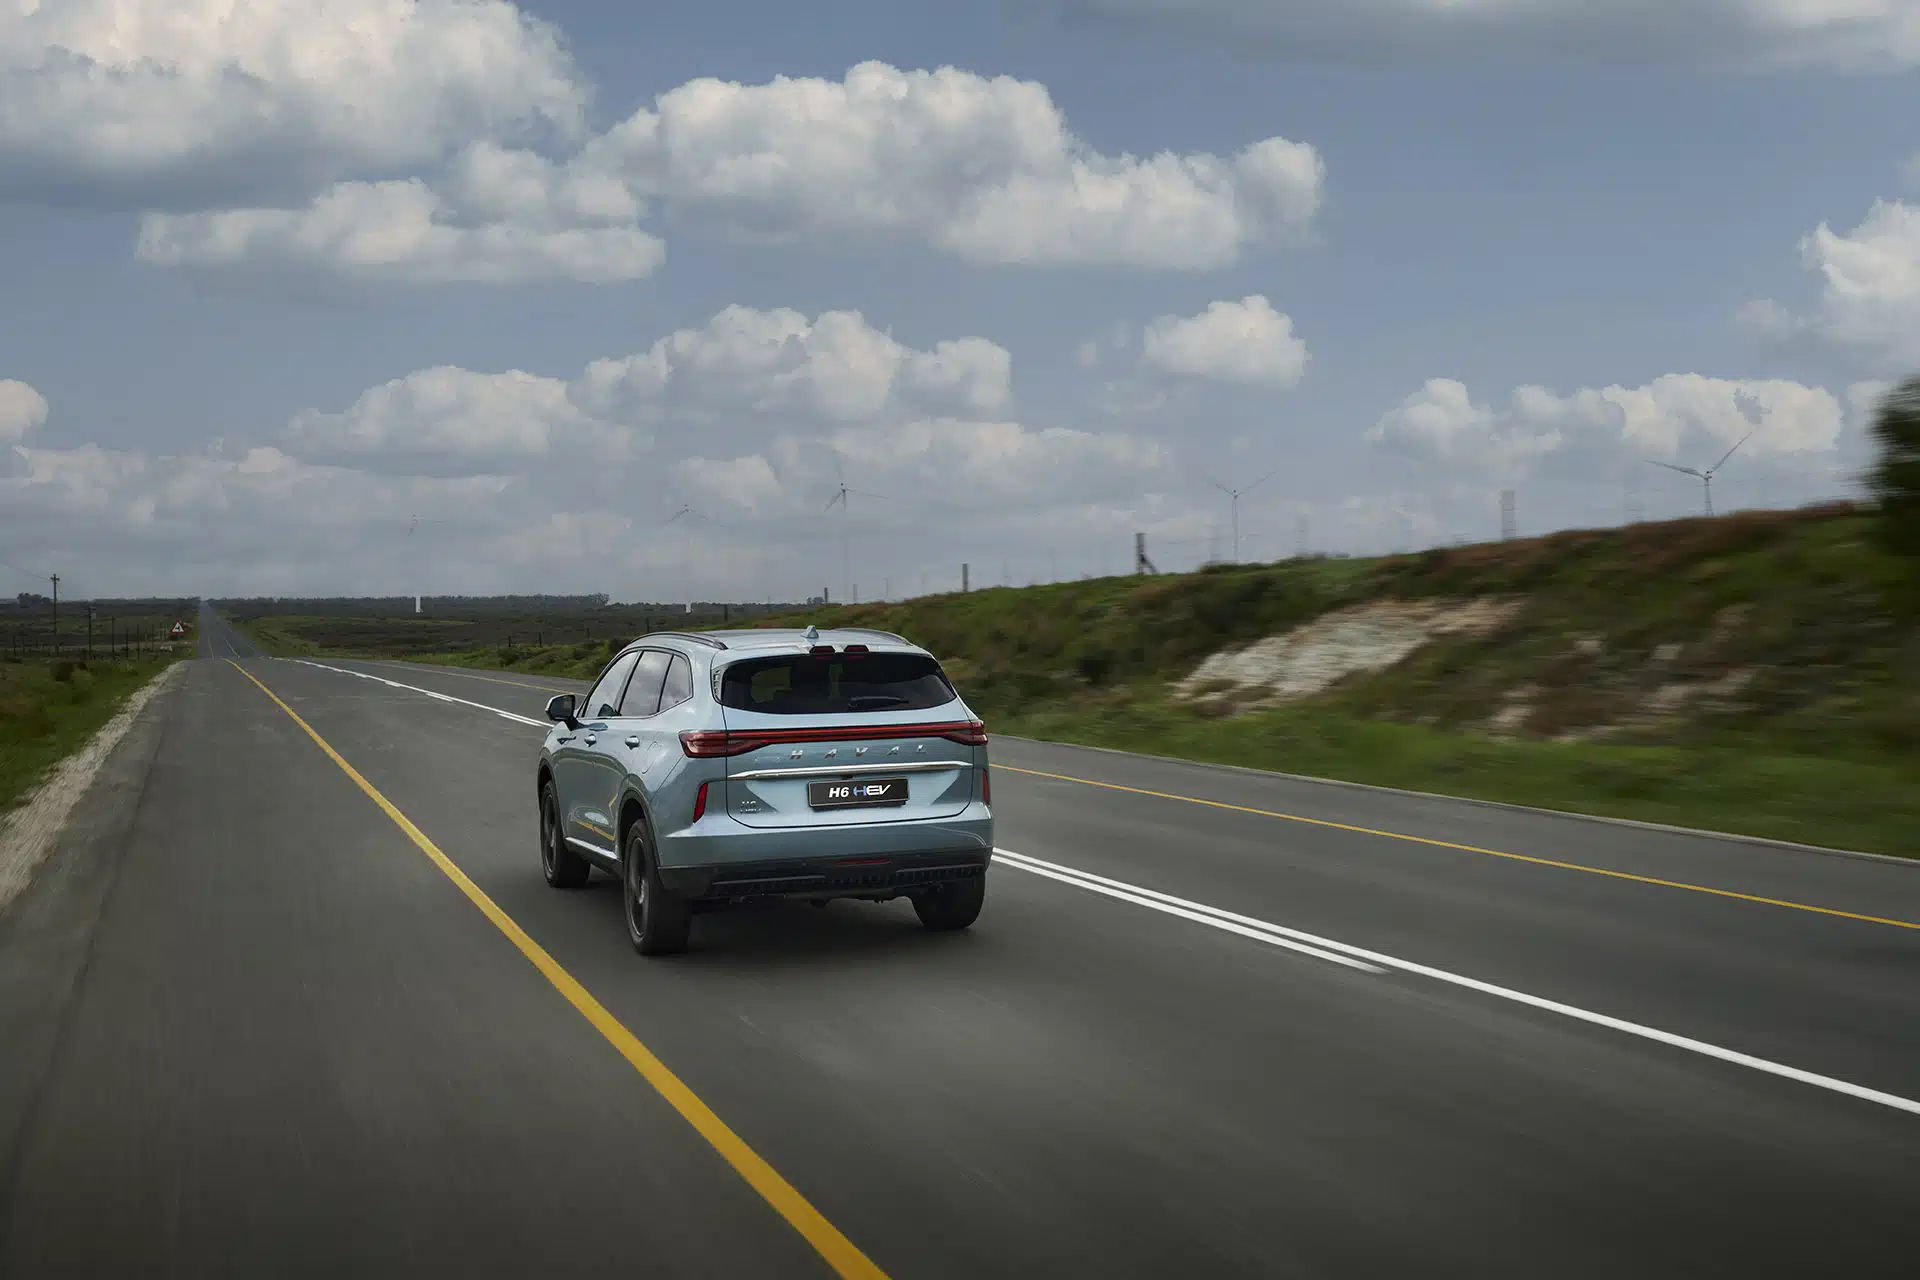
x: 1377, y: 962
x: 431, y: 693
x: 1341, y: 953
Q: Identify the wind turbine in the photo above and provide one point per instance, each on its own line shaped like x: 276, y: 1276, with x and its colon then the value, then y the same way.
x: 1234, y: 496
x: 1706, y: 477
x: 686, y: 509
x: 846, y: 510
x: 406, y: 540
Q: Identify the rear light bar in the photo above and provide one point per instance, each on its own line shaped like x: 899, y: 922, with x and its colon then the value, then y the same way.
x: 707, y: 744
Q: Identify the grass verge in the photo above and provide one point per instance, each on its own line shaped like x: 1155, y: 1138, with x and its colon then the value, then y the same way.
x: 1805, y: 799
x: 48, y: 709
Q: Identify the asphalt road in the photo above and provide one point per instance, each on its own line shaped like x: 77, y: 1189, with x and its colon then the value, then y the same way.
x: 254, y: 1029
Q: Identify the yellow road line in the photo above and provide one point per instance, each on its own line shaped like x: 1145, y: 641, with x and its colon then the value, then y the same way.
x: 834, y: 1248
x: 1469, y: 848
x: 471, y: 675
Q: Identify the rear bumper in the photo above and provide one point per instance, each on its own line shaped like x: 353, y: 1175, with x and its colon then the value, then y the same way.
x: 829, y: 877
x: 718, y: 841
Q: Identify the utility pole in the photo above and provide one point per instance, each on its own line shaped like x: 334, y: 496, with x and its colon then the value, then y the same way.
x: 1509, y: 525
x: 1140, y: 562
x: 55, y: 579
x: 966, y: 577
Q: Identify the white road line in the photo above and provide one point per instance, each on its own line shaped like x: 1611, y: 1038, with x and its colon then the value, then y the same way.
x: 431, y: 693
x: 470, y: 675
x: 1202, y: 916
x: 1269, y: 932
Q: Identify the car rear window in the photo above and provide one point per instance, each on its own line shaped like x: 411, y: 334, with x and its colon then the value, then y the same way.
x: 802, y: 685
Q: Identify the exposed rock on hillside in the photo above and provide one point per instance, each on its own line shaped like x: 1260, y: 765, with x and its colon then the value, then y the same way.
x: 1312, y: 657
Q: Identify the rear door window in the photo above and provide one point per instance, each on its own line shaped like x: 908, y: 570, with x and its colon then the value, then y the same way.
x: 803, y: 685
x: 643, y: 691
x: 679, y: 685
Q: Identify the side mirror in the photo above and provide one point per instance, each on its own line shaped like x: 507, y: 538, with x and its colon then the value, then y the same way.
x: 561, y: 707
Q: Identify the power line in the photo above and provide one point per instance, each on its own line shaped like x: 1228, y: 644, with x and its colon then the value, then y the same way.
x: 37, y: 577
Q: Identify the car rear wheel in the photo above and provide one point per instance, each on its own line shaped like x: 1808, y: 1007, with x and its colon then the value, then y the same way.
x: 951, y: 906
x: 565, y: 869
x: 658, y: 921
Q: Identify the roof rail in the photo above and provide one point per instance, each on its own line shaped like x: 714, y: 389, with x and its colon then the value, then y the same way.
x: 694, y: 636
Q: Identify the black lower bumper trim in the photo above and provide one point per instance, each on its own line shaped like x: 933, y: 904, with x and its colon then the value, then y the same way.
x: 825, y: 877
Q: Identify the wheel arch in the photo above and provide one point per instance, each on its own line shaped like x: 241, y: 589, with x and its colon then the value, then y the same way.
x: 633, y: 808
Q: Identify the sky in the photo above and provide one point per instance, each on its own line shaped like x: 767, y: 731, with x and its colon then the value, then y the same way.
x: 375, y: 297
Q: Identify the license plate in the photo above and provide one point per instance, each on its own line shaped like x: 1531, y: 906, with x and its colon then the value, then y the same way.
x: 861, y: 793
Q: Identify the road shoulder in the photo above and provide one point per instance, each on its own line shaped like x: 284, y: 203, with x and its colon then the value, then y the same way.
x: 46, y: 931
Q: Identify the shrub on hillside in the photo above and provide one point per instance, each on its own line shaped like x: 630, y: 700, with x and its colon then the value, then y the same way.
x: 1895, y: 479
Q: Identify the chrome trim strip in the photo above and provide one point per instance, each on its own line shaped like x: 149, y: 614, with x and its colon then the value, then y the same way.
x: 841, y: 771
x: 593, y: 848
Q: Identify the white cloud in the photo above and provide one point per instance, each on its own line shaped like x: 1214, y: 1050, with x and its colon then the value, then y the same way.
x: 405, y: 231
x: 1870, y: 278
x: 156, y: 99
x: 985, y: 168
x: 1767, y: 318
x: 836, y: 366
x: 21, y: 410
x: 1246, y: 342
x: 1680, y: 417
x: 1863, y: 398
x: 1836, y: 34
x: 452, y: 421
x: 130, y: 492
x: 740, y: 366
x: 970, y: 466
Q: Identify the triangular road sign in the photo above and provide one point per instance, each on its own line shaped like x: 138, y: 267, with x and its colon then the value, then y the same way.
x: 179, y: 628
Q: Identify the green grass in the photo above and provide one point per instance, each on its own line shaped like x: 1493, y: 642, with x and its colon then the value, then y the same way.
x: 1820, y: 745
x: 44, y: 718
x: 582, y: 661
x: 1801, y: 798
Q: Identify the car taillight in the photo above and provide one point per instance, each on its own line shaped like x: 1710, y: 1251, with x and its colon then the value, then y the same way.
x: 986, y: 787
x: 710, y: 744
x: 700, y: 803
x: 971, y: 734
x: 821, y: 651
x: 707, y: 744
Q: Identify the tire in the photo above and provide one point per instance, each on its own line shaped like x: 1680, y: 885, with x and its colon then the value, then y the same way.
x: 565, y: 869
x: 658, y: 921
x: 950, y: 907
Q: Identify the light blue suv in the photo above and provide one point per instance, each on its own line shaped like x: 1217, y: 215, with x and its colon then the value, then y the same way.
x: 713, y: 768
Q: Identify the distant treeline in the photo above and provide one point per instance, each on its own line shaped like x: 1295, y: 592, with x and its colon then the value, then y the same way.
x: 380, y: 606
x: 598, y: 603
x: 34, y: 602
